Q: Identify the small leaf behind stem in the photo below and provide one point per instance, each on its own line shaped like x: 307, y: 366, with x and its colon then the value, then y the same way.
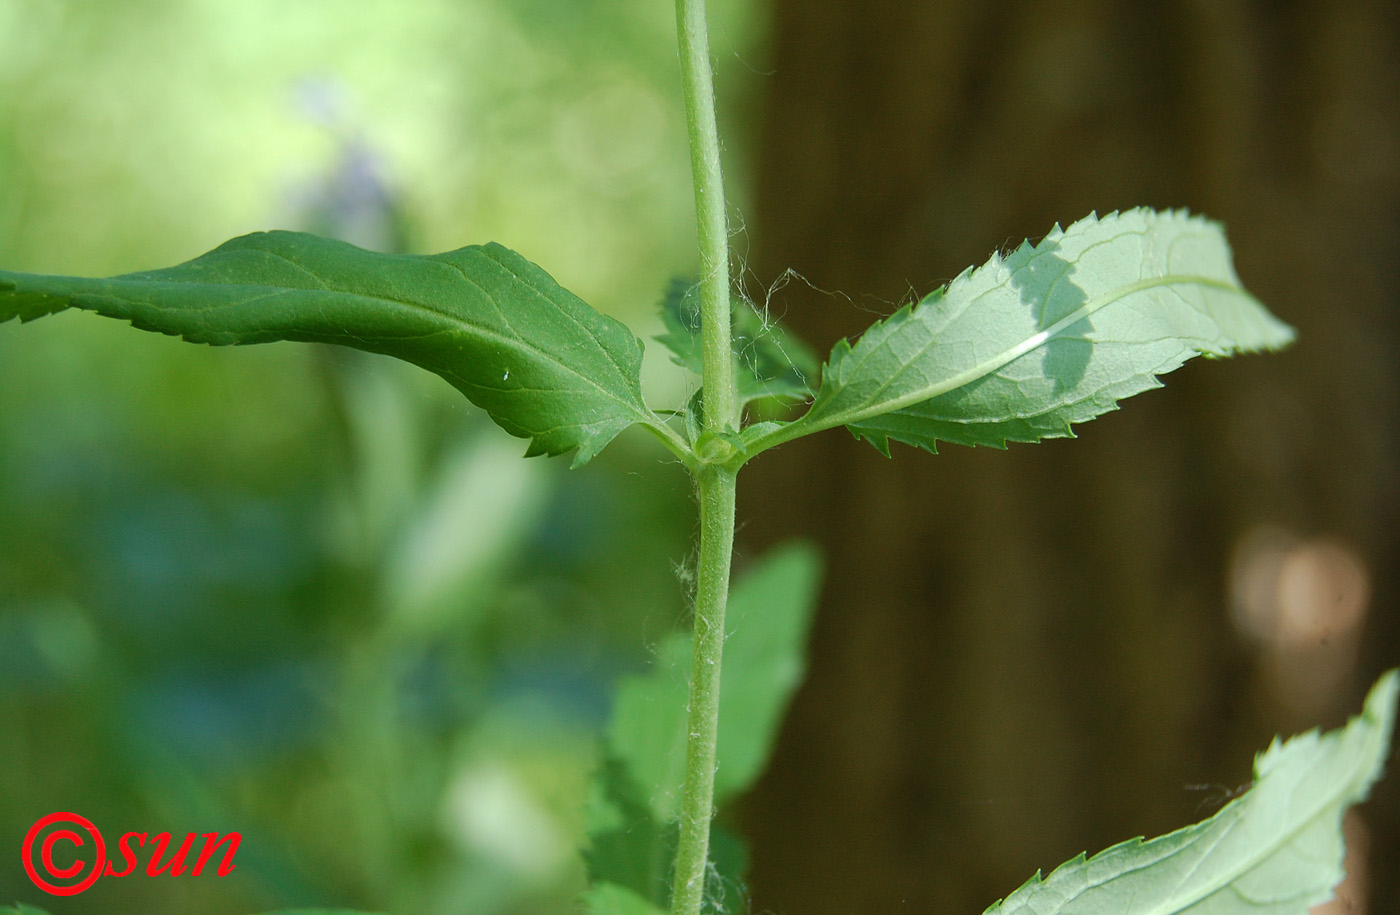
x: 1053, y: 334
x: 1275, y: 850
x: 612, y: 899
x: 638, y: 788
x: 772, y: 363
x: 538, y: 359
x: 769, y: 613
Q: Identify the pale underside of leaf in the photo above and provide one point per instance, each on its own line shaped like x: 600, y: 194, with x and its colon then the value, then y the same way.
x: 1275, y: 850
x: 538, y: 359
x: 1053, y: 334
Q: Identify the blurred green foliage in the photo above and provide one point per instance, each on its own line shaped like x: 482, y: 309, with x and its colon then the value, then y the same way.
x: 309, y: 595
x: 634, y: 809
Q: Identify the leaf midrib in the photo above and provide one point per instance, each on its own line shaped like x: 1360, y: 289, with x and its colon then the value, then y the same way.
x: 1254, y: 860
x: 870, y: 408
x: 455, y: 323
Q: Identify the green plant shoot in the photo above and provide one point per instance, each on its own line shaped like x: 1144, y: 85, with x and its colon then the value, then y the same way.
x: 1017, y: 350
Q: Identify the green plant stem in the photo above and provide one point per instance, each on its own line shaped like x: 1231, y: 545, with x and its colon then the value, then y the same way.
x: 711, y: 220
x: 717, y: 490
x: 716, y: 482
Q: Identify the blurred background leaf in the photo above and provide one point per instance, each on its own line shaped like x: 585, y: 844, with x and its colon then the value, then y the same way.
x: 634, y: 799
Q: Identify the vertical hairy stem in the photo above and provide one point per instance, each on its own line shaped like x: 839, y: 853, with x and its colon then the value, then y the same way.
x: 712, y: 592
x: 716, y: 483
x: 711, y: 222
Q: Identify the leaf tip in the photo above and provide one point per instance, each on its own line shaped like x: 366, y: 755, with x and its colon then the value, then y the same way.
x: 1381, y: 700
x: 1285, y: 335
x: 581, y: 456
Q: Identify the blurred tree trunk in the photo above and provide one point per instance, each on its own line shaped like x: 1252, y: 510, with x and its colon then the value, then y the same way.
x: 1024, y: 655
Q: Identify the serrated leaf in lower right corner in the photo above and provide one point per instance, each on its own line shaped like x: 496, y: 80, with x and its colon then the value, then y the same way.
x: 1275, y: 850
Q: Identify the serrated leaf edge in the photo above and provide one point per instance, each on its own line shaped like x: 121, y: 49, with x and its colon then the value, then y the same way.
x: 1013, y: 353
x: 1378, y: 712
x: 594, y: 435
x: 756, y: 441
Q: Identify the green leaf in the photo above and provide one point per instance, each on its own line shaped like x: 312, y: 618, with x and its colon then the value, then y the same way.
x: 646, y: 733
x: 630, y: 849
x: 632, y: 810
x: 680, y: 314
x: 22, y: 909
x: 773, y: 364
x: 627, y: 846
x: 611, y: 899
x: 1054, y: 334
x: 1275, y: 850
x: 539, y: 360
x: 321, y: 912
x: 768, y: 618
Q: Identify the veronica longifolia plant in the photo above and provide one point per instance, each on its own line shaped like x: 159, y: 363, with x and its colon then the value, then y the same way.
x: 1017, y: 350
